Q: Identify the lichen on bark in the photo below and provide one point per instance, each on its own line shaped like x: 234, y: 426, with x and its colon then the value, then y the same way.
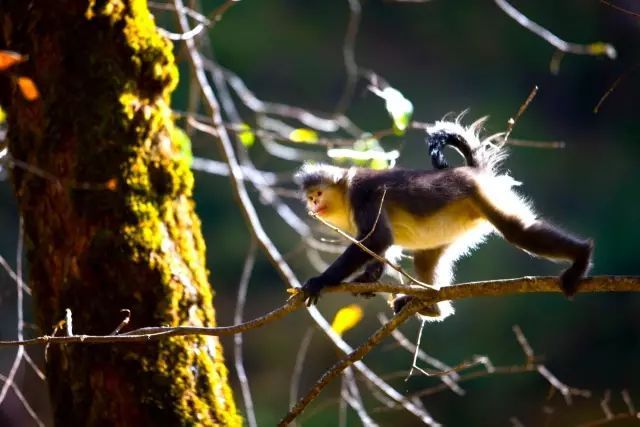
x: 116, y: 228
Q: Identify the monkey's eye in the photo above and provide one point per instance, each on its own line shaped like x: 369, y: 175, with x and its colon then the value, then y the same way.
x: 319, y: 193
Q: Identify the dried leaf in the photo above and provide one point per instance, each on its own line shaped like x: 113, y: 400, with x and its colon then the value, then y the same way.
x: 8, y: 59
x: 112, y: 184
x: 28, y: 88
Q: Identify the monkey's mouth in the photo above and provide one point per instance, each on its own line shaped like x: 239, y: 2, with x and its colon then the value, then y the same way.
x: 319, y: 210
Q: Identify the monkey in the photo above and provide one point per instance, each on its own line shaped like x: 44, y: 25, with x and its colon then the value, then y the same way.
x: 438, y: 214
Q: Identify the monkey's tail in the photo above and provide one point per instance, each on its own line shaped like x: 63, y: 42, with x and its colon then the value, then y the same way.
x: 484, y: 154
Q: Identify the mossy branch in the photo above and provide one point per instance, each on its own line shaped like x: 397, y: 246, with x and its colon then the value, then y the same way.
x: 428, y: 296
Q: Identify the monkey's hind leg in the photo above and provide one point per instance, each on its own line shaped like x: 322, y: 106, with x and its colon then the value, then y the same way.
x: 430, y: 267
x: 519, y: 226
x: 372, y: 272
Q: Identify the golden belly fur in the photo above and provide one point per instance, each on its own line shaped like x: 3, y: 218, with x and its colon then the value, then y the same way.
x: 443, y: 227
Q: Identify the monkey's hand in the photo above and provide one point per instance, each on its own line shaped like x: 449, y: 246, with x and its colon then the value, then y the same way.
x: 312, y: 288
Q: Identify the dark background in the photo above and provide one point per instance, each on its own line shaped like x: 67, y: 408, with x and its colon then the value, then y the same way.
x: 445, y: 57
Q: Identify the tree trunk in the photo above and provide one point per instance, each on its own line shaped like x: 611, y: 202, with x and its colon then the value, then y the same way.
x: 104, y: 189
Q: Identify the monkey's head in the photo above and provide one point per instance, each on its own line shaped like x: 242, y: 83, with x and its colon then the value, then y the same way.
x: 324, y: 188
x: 325, y: 200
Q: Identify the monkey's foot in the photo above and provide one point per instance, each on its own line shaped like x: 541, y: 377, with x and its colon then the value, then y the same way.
x: 431, y: 310
x: 570, y: 278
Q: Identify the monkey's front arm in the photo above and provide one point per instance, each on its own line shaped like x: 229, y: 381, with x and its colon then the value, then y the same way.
x: 377, y: 240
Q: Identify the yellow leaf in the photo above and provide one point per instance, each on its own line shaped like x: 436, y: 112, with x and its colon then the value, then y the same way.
x: 308, y: 136
x: 346, y: 318
x: 28, y: 88
x: 246, y: 136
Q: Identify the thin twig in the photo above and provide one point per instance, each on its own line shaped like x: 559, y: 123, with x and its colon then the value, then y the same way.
x: 247, y: 271
x: 449, y: 379
x: 294, y: 387
x: 217, y: 13
x: 169, y: 7
x: 23, y: 400
x: 351, y: 395
x: 348, y: 52
x: 595, y: 49
x: 566, y: 391
x: 409, y: 310
x: 604, y: 404
x: 513, y: 120
x: 382, y: 259
x: 226, y: 148
x: 554, y: 145
x: 125, y: 321
x: 620, y: 9
x: 414, y: 364
x: 374, y: 380
x: 613, y: 87
x: 34, y: 366
x: 627, y: 400
x: 182, y: 36
x: 375, y: 223
x: 524, y: 343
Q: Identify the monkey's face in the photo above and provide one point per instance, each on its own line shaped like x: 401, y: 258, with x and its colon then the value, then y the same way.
x: 324, y: 200
x: 316, y: 200
x: 330, y: 203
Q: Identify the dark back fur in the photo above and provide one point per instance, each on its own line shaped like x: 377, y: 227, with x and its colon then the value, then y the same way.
x: 419, y: 192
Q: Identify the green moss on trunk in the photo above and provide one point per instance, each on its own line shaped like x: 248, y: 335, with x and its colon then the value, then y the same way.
x: 118, y: 229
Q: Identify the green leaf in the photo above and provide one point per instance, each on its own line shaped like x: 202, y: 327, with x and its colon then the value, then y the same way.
x: 304, y: 135
x: 246, y: 135
x: 379, y: 164
x: 399, y: 108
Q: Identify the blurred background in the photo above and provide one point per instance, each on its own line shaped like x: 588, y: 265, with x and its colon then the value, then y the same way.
x: 444, y: 57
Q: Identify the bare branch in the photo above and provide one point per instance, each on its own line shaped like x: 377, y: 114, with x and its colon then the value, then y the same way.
x: 524, y: 343
x: 595, y: 49
x: 425, y: 296
x: 125, y: 321
x: 409, y: 310
x: 513, y: 120
x: 449, y: 379
x: 226, y: 148
x: 613, y: 87
x: 247, y: 271
x: 566, y: 391
x: 604, y: 404
x: 620, y: 9
x: 348, y: 52
x: 294, y: 387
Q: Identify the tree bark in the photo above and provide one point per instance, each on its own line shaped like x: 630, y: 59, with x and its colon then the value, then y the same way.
x: 105, y: 192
